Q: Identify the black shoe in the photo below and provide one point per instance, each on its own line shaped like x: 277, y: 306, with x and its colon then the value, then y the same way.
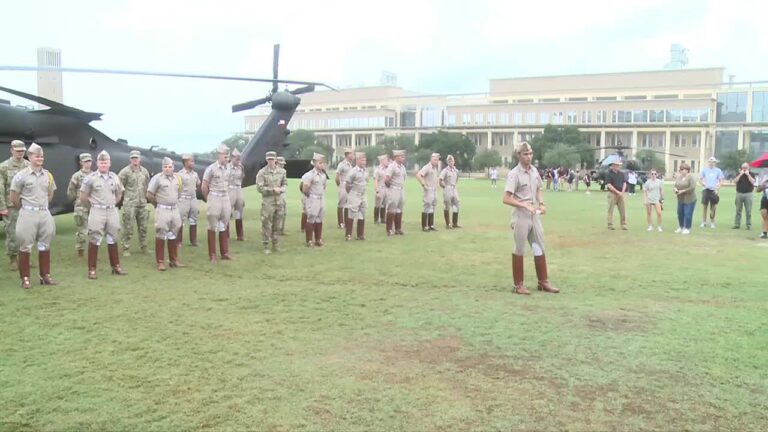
x: 735, y: 227
x: 764, y: 235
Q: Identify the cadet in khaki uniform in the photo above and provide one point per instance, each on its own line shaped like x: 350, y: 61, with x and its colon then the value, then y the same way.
x: 188, y: 211
x: 313, y: 184
x: 449, y: 177
x: 8, y: 169
x: 100, y: 193
x: 427, y: 176
x: 380, y: 209
x: 216, y: 192
x: 342, y: 171
x: 134, y: 178
x: 31, y: 190
x: 163, y: 192
x: 523, y: 192
x: 283, y: 203
x: 81, y: 212
x: 357, y: 202
x: 236, y: 175
x: 271, y: 183
x: 395, y: 183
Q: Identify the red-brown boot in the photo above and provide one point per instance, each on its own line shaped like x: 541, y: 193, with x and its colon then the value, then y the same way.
x: 390, y: 224
x: 309, y: 231
x: 318, y: 234
x: 22, y: 260
x: 447, y: 217
x: 44, y: 257
x: 224, y: 245
x: 212, y: 246
x: 160, y: 254
x: 399, y: 224
x: 192, y: 235
x: 173, y: 254
x: 93, y: 257
x: 424, y: 226
x: 348, y: 229
x: 303, y: 221
x: 456, y: 220
x: 361, y: 229
x: 518, y: 276
x: 239, y: 230
x: 180, y: 236
x: 541, y: 275
x: 114, y: 260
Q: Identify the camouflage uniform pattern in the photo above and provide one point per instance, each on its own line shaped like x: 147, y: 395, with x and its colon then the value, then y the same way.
x: 267, y: 180
x: 8, y: 169
x: 134, y: 205
x: 81, y: 212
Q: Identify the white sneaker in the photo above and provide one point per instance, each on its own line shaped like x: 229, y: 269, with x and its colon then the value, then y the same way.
x: 703, y: 225
x: 661, y: 230
x: 650, y: 227
x: 678, y: 230
x: 686, y: 231
x: 712, y: 225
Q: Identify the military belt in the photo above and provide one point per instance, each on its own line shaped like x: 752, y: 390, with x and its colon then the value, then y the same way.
x: 235, y: 187
x: 167, y: 207
x: 188, y: 197
x: 33, y: 208
x: 218, y: 194
x: 100, y: 206
x: 315, y: 196
x: 396, y: 187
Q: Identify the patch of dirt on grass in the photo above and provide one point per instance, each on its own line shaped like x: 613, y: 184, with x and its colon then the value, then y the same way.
x: 618, y: 321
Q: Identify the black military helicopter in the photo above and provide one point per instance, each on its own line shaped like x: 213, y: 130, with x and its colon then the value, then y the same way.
x: 64, y: 131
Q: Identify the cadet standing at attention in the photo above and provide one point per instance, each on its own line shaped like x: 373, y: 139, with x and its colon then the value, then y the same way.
x: 380, y: 209
x: 271, y: 183
x: 236, y: 193
x: 313, y: 184
x: 135, y: 179
x: 395, y: 183
x: 188, y: 200
x: 342, y: 171
x: 100, y: 193
x: 215, y: 189
x: 81, y: 212
x: 283, y: 202
x: 427, y: 176
x: 357, y: 187
x: 8, y: 169
x: 163, y: 192
x: 523, y: 192
x: 449, y: 178
x: 31, y: 190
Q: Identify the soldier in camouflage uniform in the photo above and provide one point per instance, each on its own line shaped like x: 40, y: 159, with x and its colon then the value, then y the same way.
x: 135, y: 179
x: 357, y: 202
x: 81, y: 212
x: 271, y: 183
x: 236, y: 173
x: 283, y: 203
x: 342, y: 171
x: 379, y: 210
x: 8, y: 169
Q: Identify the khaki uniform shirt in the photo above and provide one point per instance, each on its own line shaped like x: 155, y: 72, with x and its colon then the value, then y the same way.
x: 189, y: 183
x: 33, y: 187
x: 236, y: 174
x: 316, y: 181
x: 8, y: 169
x: 135, y: 182
x: 217, y: 177
x: 358, y: 178
x: 268, y: 179
x: 73, y: 189
x: 343, y: 170
x: 379, y: 174
x: 397, y: 175
x: 167, y: 189
x: 102, y: 189
x: 449, y: 176
x: 429, y: 173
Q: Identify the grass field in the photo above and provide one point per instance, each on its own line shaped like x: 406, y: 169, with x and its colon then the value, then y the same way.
x: 653, y: 331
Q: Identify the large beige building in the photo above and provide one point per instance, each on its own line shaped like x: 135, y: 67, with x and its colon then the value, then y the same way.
x: 688, y: 112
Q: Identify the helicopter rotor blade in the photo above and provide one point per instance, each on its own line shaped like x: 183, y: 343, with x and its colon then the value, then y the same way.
x: 306, y: 89
x: 275, y: 61
x: 251, y: 104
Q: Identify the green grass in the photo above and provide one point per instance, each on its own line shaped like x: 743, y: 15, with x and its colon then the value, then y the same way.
x: 653, y: 331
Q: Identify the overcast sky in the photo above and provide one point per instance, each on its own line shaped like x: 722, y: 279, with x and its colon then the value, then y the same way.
x: 433, y: 46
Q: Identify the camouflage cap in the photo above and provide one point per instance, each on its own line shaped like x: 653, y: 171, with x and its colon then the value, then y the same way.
x: 167, y: 160
x: 270, y: 155
x: 281, y: 160
x: 318, y: 157
x: 359, y: 155
x: 398, y: 152
x: 222, y: 149
x: 85, y: 157
x: 134, y: 154
x: 523, y: 146
x: 103, y: 156
x: 236, y: 153
x: 18, y: 145
x: 35, y: 149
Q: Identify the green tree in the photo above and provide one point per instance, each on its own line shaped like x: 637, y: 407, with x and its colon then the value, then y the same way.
x: 731, y: 160
x: 649, y: 160
x: 561, y: 155
x: 445, y: 143
x: 568, y: 136
x: 487, y: 159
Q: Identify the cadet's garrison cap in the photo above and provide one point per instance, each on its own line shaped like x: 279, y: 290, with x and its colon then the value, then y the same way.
x: 348, y: 150
x: 85, y: 157
x: 187, y: 156
x: 236, y: 153
x: 398, y: 152
x: 35, y: 149
x: 134, y: 154
x: 222, y: 149
x: 449, y: 157
x: 359, y: 155
x: 167, y: 160
x: 436, y: 154
x: 18, y: 145
x: 281, y: 160
x: 270, y: 155
x: 318, y: 157
x: 103, y: 156
x: 522, y: 147
x: 382, y: 157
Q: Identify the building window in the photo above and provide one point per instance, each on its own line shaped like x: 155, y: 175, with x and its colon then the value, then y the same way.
x: 491, y: 118
x: 451, y: 119
x: 695, y: 140
x: 517, y: 118
x: 557, y: 118
x: 732, y: 107
x: 544, y: 118
x: 602, y: 117
x: 530, y: 117
x: 656, y: 116
x: 572, y: 117
x: 639, y: 116
x: 621, y: 116
x: 466, y: 119
x: 586, y: 117
x: 759, y: 106
x: 479, y: 118
x: 504, y: 118
x: 674, y: 116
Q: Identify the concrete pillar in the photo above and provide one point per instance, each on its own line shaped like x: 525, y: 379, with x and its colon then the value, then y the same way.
x: 602, y: 144
x: 373, y: 139
x: 515, y: 138
x: 416, y: 137
x: 353, y: 142
x: 702, y: 148
x: 490, y: 140
x: 740, y: 146
x: 667, y: 157
x: 333, y: 140
x: 634, y: 142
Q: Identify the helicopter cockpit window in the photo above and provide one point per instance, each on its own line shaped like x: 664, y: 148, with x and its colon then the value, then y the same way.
x: 93, y: 144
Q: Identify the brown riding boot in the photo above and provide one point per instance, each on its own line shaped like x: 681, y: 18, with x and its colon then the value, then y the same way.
x: 424, y: 226
x: 114, y: 260
x: 180, y: 236
x: 303, y: 221
x: 383, y: 215
x: 399, y: 224
x: 319, y: 234
x: 309, y: 231
x: 518, y: 276
x: 44, y: 257
x: 22, y: 263
x: 361, y: 229
x: 212, y: 246
x: 376, y: 215
x: 340, y: 217
x: 239, y: 229
x: 541, y: 274
x: 390, y: 224
x: 93, y: 256
x: 173, y: 254
x: 456, y: 220
x: 80, y: 253
x: 224, y: 245
x: 348, y: 229
x: 431, y: 221
x: 192, y: 235
x: 447, y: 217
x: 159, y: 254
x: 14, y: 263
